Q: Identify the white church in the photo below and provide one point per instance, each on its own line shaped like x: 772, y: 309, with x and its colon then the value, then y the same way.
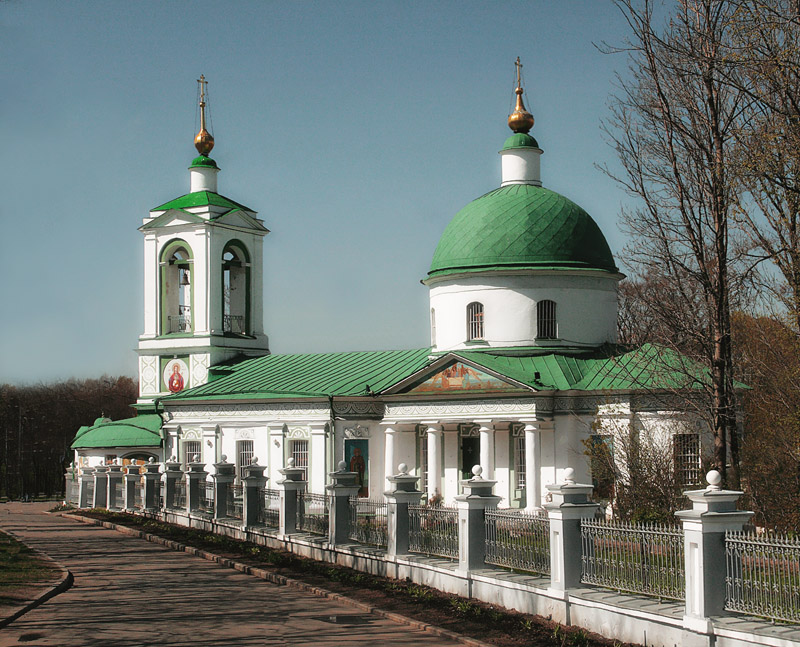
x: 522, y: 373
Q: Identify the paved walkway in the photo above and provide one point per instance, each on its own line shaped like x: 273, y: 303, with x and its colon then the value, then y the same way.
x: 130, y: 592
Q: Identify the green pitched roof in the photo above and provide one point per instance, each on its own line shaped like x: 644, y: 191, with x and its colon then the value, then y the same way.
x: 141, y: 431
x: 521, y: 226
x: 311, y: 375
x: 201, y: 199
x: 325, y: 375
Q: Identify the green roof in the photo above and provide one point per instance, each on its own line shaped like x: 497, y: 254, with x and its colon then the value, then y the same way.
x: 363, y: 373
x: 203, y: 161
x: 141, y: 431
x: 201, y: 199
x: 318, y: 375
x: 520, y: 140
x: 521, y: 226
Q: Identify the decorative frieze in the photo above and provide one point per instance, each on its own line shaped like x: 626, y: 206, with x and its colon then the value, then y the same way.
x: 277, y: 410
x: 467, y: 409
x: 360, y: 408
x: 244, y: 434
x: 298, y: 432
x: 199, y: 372
x: 357, y: 431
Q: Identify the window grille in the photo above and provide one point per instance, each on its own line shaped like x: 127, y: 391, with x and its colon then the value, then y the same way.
x: 546, y: 327
x: 299, y: 449
x: 687, y: 459
x: 474, y: 321
x: 190, y: 449
x: 519, y: 462
x: 244, y: 456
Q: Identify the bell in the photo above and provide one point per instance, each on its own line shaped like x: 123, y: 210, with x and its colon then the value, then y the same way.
x: 184, y: 277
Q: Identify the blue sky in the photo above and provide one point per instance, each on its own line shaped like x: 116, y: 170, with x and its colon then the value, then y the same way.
x: 355, y: 129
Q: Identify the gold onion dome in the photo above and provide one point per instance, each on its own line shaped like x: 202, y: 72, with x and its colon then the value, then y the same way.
x: 204, y: 142
x: 520, y: 121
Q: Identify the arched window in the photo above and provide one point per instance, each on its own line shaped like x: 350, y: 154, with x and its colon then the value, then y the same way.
x: 433, y: 327
x: 546, y: 324
x: 474, y: 321
x: 176, y: 288
x: 235, y: 289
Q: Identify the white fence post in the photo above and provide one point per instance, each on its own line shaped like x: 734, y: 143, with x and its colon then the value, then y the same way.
x: 223, y: 479
x: 152, y: 479
x: 132, y: 479
x: 397, y: 524
x: 195, y: 479
x: 289, y: 486
x: 570, y: 504
x: 478, y: 495
x: 100, y: 487
x: 343, y: 487
x: 713, y: 512
x: 114, y: 478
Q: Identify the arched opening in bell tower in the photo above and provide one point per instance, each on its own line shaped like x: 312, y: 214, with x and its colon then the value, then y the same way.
x: 235, y: 289
x: 176, y: 288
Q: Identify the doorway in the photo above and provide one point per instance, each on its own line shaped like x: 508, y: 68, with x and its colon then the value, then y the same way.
x: 470, y: 455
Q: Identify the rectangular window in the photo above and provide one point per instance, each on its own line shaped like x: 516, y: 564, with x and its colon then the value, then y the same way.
x: 110, y: 458
x: 686, y: 449
x: 244, y: 457
x: 519, y: 462
x: 191, y: 448
x: 601, y: 450
x: 299, y: 451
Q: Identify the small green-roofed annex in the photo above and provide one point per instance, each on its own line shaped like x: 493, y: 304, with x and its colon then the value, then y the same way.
x: 201, y: 199
x: 141, y: 431
x: 521, y: 226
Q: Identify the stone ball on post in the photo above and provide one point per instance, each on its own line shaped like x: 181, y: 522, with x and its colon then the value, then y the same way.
x: 342, y: 465
x: 477, y: 470
x: 569, y: 476
x: 714, y: 479
x: 402, y: 469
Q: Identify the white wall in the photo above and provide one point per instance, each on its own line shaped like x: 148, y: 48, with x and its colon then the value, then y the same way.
x: 586, y: 307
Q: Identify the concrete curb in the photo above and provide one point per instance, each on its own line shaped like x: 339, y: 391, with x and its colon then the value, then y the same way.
x: 282, y: 580
x: 66, y: 582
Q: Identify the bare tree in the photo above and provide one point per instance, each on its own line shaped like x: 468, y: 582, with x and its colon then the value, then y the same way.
x: 673, y: 126
x: 765, y: 64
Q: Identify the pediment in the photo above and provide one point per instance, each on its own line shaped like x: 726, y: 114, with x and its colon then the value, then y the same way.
x: 173, y: 218
x: 453, y: 375
x: 239, y: 218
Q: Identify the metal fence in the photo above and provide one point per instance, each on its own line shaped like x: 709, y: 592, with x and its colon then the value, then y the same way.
x: 369, y: 521
x: 763, y: 575
x: 633, y: 557
x: 138, y: 496
x: 205, y: 502
x: 312, y: 512
x: 433, y: 530
x: 269, y: 507
x: 235, y: 499
x: 88, y: 486
x: 159, y: 495
x: 518, y: 540
x: 179, y: 498
x: 119, y: 494
x: 73, y: 492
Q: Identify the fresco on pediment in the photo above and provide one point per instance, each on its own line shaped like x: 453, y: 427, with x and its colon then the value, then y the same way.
x: 460, y: 377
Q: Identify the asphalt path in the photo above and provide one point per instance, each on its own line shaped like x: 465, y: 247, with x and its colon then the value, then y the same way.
x: 128, y: 591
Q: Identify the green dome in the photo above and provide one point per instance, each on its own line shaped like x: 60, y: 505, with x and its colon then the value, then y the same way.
x: 521, y: 226
x: 520, y: 140
x: 202, y: 160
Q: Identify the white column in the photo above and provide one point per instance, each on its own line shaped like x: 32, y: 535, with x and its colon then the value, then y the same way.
x: 533, y: 491
x: 487, y: 451
x: 388, y: 456
x: 434, y: 439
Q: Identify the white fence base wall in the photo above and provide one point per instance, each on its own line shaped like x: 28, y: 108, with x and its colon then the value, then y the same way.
x: 617, y: 616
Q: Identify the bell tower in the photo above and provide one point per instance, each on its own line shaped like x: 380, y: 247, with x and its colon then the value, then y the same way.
x: 203, y: 284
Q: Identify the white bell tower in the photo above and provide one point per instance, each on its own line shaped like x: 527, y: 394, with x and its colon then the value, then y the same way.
x: 203, y: 284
